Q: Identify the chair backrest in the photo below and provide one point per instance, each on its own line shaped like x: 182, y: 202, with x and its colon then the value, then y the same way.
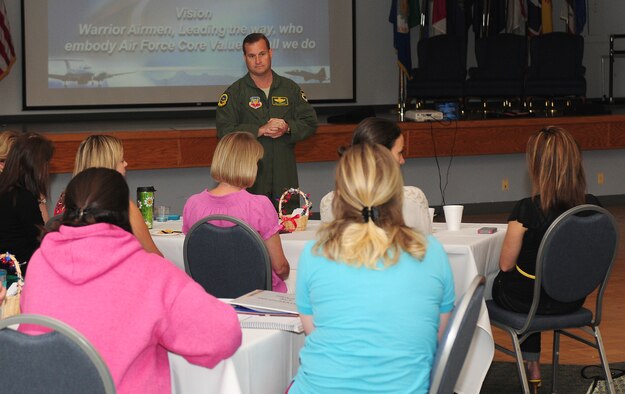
x: 557, y: 55
x: 443, y: 57
x: 61, y: 361
x: 452, y: 349
x: 502, y: 56
x: 576, y: 255
x: 227, y: 261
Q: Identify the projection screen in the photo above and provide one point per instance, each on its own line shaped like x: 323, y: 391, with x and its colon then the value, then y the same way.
x: 124, y: 53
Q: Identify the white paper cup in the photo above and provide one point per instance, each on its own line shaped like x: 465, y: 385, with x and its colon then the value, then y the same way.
x: 453, y: 216
x: 431, y: 210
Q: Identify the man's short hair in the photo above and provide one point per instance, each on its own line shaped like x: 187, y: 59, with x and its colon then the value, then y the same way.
x: 255, y: 37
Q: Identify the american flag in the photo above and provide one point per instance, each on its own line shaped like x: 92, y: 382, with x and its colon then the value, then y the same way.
x: 7, y: 52
x: 439, y: 17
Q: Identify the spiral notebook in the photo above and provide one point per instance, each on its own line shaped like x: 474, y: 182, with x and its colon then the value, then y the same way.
x: 284, y: 323
x: 265, y: 301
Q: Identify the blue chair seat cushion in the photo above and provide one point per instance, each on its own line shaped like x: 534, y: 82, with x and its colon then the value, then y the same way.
x: 579, y: 318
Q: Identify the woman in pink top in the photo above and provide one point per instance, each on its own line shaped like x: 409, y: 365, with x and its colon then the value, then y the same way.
x: 132, y: 305
x: 234, y: 167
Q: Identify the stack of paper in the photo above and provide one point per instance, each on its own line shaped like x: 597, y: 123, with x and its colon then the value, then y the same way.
x: 269, y: 310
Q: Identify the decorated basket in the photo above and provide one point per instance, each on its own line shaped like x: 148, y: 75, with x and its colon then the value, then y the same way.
x: 11, y: 304
x: 298, y: 221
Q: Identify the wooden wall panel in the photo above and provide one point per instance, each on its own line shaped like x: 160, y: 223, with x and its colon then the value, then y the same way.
x: 157, y: 149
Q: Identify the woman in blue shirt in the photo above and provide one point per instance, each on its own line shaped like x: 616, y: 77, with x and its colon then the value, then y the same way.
x: 373, y: 294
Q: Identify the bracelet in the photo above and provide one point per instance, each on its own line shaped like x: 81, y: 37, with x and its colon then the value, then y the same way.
x: 43, y: 201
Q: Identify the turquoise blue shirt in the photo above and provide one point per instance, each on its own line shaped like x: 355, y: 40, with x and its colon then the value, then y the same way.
x: 375, y: 330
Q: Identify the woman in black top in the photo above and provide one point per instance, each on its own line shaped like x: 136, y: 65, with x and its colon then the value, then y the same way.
x: 23, y: 190
x: 558, y: 184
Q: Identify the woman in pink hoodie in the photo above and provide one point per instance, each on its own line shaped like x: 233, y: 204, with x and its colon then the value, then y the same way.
x: 133, y: 306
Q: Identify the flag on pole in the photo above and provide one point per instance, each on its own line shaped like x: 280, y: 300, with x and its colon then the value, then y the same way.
x: 7, y: 52
x: 547, y: 19
x: 439, y: 17
x: 534, y: 17
x: 516, y: 17
x: 580, y: 16
x: 568, y: 16
x: 573, y: 13
x: 404, y: 15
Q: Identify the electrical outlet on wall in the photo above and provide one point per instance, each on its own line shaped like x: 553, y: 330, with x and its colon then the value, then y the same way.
x: 600, y: 178
x: 505, y: 185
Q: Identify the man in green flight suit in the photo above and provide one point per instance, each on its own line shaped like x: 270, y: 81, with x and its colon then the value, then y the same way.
x: 275, y: 110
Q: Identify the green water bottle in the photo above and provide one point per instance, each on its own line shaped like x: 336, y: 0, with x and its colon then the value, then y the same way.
x: 145, y: 201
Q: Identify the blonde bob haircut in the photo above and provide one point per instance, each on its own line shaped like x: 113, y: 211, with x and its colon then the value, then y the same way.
x: 99, y: 150
x: 368, y: 176
x: 554, y: 162
x: 235, y: 160
x: 7, y: 138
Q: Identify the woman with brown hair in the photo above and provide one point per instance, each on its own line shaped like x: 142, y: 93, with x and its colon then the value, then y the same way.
x: 558, y: 183
x: 23, y: 191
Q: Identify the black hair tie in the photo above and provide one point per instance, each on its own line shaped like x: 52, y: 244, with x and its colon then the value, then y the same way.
x: 372, y: 213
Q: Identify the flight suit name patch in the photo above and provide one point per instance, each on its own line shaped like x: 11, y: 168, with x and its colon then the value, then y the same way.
x: 279, y: 101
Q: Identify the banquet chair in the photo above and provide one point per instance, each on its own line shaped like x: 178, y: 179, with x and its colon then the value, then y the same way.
x: 575, y: 258
x: 452, y: 349
x: 61, y: 361
x: 501, y: 66
x: 227, y: 261
x: 556, y: 68
x: 442, y: 69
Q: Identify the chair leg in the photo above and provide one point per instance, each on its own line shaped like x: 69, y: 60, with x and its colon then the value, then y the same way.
x: 519, y: 362
x: 604, y: 361
x: 555, y: 361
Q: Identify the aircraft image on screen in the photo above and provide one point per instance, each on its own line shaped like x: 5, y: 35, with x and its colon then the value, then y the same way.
x: 79, y: 72
x: 309, y: 76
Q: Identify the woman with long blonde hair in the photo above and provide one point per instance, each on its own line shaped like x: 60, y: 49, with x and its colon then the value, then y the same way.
x: 558, y: 181
x: 374, y: 295
x: 106, y: 151
x: 388, y: 134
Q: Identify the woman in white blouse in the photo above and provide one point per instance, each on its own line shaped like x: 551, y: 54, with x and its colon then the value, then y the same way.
x: 387, y: 133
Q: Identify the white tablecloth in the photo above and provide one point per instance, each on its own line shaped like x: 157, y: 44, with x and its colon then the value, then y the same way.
x: 469, y: 254
x: 265, y: 363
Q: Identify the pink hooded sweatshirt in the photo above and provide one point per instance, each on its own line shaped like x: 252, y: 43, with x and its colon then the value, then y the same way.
x: 133, y: 306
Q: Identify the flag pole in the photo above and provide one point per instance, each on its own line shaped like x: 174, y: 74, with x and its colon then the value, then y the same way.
x: 401, y: 102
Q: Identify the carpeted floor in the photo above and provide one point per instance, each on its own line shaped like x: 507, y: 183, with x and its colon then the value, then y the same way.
x: 503, y: 378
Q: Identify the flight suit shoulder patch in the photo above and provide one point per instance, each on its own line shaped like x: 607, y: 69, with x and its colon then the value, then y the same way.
x: 223, y: 100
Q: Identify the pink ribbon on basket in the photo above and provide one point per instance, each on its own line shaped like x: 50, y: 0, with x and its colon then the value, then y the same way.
x: 290, y: 219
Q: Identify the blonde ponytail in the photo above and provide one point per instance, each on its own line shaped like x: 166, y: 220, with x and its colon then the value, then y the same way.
x: 369, y: 228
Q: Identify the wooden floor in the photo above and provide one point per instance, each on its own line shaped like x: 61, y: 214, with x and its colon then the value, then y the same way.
x: 613, y: 321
